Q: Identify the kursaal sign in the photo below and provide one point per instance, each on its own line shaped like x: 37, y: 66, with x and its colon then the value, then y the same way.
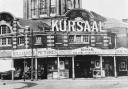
x: 76, y: 26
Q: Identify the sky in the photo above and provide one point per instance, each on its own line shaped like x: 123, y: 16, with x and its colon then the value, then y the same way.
x: 109, y: 8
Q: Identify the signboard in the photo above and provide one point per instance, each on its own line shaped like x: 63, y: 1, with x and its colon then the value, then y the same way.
x: 76, y: 26
x: 5, y: 53
x: 23, y: 53
x: 86, y: 51
x: 46, y: 52
x: 121, y: 51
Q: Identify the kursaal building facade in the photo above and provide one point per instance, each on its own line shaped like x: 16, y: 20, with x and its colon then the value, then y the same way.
x: 57, y: 39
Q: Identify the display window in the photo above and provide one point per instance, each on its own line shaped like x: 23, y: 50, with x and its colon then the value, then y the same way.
x: 123, y: 66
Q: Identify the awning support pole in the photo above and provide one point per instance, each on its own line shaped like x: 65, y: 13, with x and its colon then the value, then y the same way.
x: 36, y: 74
x: 115, y: 71
x: 12, y: 69
x: 73, y: 68
x: 58, y: 61
x: 101, y: 65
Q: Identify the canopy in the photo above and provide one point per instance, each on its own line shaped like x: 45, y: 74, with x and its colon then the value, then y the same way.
x: 6, y: 65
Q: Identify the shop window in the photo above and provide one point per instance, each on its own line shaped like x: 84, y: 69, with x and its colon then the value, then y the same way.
x: 123, y: 66
x: 4, y: 29
x: 38, y: 40
x: 79, y: 39
x: 21, y: 40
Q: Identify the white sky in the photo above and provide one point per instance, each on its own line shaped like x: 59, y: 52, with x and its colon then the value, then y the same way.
x: 109, y: 8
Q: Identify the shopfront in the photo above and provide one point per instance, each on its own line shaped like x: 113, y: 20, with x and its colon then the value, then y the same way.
x: 84, y: 62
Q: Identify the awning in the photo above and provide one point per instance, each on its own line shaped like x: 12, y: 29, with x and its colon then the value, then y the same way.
x: 6, y: 65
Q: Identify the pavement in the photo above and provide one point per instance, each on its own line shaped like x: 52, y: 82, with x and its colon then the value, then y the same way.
x: 79, y: 83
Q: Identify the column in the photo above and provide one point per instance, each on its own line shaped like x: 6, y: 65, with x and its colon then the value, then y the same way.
x: 92, y: 40
x: 73, y: 68
x: 58, y: 61
x: 101, y: 65
x: 50, y: 41
x: 15, y: 34
x: 32, y: 64
x: 105, y: 41
x: 12, y: 69
x: 65, y: 37
x: 115, y: 71
x: 36, y: 72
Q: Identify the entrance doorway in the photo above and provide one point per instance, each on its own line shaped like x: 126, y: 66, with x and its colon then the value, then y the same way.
x: 22, y: 66
x: 84, y: 66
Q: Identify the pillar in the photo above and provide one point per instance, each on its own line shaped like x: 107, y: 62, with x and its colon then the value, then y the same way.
x: 12, y: 69
x: 58, y: 63
x: 73, y: 68
x: 115, y: 71
x: 32, y: 64
x: 101, y: 65
x: 36, y: 72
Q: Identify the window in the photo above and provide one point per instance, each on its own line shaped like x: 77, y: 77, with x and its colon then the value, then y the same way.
x: 38, y: 40
x: 4, y: 29
x: 79, y: 39
x: 42, y: 7
x: 21, y: 40
x: 69, y: 4
x: 9, y: 40
x: 53, y: 7
x: 5, y: 41
x: 71, y: 38
x: 85, y: 38
x: 33, y: 10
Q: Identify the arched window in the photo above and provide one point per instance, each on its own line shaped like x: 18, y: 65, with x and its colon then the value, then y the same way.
x: 4, y: 29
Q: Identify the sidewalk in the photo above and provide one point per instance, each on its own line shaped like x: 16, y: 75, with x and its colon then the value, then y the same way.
x: 20, y: 84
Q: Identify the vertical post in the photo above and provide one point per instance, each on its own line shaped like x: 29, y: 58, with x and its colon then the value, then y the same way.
x: 115, y: 40
x: 32, y: 60
x: 36, y: 74
x: 73, y: 68
x: 12, y: 69
x: 101, y: 65
x: 58, y: 61
x: 115, y: 71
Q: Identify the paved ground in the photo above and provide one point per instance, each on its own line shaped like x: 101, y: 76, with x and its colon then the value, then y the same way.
x: 105, y: 83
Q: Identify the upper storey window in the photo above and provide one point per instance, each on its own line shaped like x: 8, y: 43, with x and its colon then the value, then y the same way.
x: 43, y: 7
x: 4, y: 29
x: 33, y: 7
x: 53, y: 8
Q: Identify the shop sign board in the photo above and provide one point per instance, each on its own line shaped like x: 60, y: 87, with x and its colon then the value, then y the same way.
x: 5, y: 53
x: 121, y: 51
x: 46, y: 52
x: 64, y: 52
x: 86, y: 51
x: 23, y: 53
